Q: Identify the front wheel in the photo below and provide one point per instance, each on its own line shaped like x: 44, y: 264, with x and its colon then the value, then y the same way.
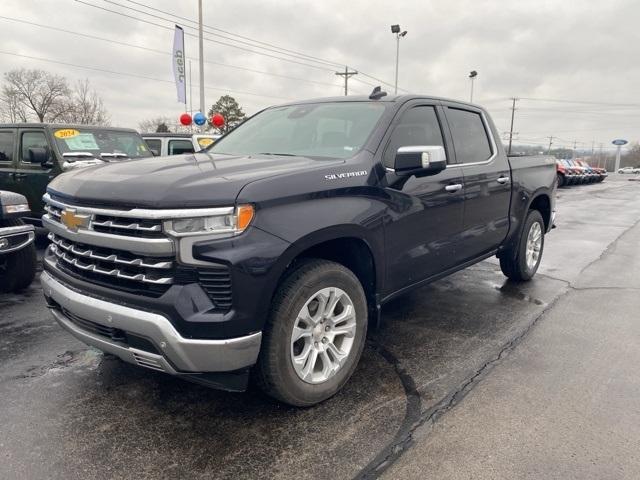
x: 315, y: 334
x: 561, y: 180
x: 524, y: 264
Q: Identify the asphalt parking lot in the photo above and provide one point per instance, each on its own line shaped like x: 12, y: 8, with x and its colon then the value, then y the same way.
x: 67, y: 411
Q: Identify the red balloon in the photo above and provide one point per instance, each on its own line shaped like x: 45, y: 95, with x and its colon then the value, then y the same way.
x: 185, y: 119
x: 217, y: 120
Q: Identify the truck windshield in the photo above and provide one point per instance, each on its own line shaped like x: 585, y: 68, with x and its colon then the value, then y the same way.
x: 100, y: 143
x: 331, y: 130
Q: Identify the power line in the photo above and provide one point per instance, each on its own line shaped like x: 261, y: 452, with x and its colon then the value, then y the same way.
x: 205, y: 38
x: 162, y: 52
x: 237, y: 35
x: 318, y: 67
x: 332, y: 64
x: 585, y: 102
x: 346, y: 74
x: 134, y: 75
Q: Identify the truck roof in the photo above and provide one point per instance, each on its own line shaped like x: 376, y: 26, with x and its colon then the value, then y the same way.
x: 63, y: 125
x: 385, y: 99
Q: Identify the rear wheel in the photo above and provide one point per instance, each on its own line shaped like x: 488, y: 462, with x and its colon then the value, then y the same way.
x: 315, y: 334
x: 522, y: 264
x: 17, y: 269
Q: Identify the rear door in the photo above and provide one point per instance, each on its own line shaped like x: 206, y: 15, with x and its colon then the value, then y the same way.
x: 7, y: 159
x: 32, y: 178
x: 487, y: 182
x: 425, y: 213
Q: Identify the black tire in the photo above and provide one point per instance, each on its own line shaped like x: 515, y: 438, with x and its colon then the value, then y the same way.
x: 17, y: 269
x: 514, y: 264
x: 561, y: 180
x: 274, y: 372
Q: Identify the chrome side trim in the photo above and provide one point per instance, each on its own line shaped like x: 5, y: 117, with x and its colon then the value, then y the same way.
x: 143, y: 212
x: 140, y: 245
x: 178, y: 353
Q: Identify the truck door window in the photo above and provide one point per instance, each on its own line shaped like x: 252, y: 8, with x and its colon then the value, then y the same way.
x: 6, y: 146
x: 32, y: 140
x: 470, y: 139
x: 154, y: 144
x: 178, y: 147
x: 417, y: 126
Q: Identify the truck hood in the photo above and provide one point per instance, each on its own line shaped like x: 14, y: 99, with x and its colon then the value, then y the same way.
x: 193, y: 180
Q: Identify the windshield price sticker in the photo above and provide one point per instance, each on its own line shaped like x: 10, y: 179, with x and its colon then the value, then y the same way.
x: 66, y: 133
x: 82, y: 141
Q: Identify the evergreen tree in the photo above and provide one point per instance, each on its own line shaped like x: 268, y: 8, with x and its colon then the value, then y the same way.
x: 230, y: 110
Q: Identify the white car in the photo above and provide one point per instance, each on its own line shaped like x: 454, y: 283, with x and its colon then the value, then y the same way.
x: 629, y: 170
x: 163, y: 144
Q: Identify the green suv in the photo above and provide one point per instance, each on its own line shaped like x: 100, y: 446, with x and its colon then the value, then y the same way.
x: 32, y: 154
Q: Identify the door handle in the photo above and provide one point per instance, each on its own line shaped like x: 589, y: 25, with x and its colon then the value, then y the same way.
x: 503, y: 180
x: 19, y: 175
x: 453, y: 188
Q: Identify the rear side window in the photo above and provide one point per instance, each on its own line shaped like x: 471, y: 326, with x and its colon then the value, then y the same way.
x: 6, y: 146
x: 470, y: 138
x: 177, y: 147
x: 417, y: 126
x: 154, y: 144
x: 32, y: 140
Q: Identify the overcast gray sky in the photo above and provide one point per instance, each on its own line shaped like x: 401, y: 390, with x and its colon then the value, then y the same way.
x: 535, y: 50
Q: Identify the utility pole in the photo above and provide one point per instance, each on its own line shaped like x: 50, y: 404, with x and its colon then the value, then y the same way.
x: 395, y: 29
x: 346, y: 74
x: 573, y: 154
x: 513, y: 112
x: 600, y: 157
x: 201, y: 58
x: 472, y: 76
x: 550, y: 143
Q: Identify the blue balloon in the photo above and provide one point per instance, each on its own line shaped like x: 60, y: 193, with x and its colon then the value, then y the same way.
x: 199, y: 119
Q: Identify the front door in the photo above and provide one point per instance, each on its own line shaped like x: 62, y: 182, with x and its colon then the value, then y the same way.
x: 425, y: 213
x: 32, y: 178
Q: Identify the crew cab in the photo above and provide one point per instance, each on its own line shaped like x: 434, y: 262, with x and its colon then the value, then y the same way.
x: 271, y: 253
x: 32, y: 154
x: 164, y: 143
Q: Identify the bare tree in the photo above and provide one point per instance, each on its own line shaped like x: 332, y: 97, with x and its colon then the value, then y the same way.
x: 34, y: 93
x: 11, y: 110
x: 84, y: 106
x: 158, y: 124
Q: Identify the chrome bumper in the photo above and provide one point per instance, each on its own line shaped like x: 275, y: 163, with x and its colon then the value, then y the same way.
x: 178, y: 354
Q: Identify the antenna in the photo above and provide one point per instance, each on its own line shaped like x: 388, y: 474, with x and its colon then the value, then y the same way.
x: 377, y: 93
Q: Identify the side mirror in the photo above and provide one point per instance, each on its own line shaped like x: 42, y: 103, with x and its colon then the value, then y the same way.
x: 40, y: 155
x: 420, y: 160
x: 155, y: 153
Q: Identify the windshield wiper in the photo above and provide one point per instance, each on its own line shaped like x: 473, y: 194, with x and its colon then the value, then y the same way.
x: 114, y: 155
x: 78, y: 155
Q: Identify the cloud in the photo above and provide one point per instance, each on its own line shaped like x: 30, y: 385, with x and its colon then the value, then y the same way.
x: 561, y: 49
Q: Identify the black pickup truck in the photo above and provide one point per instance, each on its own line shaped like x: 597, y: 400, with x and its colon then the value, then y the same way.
x: 271, y: 253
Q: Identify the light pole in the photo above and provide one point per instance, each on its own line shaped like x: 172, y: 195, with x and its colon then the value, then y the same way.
x: 396, y: 30
x: 472, y: 75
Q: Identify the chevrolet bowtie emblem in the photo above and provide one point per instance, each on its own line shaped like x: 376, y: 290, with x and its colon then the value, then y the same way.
x: 73, y: 220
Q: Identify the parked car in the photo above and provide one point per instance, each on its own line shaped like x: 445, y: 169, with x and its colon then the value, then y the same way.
x: 574, y: 175
x: 564, y: 174
x: 272, y: 251
x: 163, y: 144
x: 634, y: 170
x: 17, y: 252
x: 597, y: 174
x: 32, y: 154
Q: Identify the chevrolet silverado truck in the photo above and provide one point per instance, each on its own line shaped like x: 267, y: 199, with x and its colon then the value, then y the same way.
x: 32, y: 154
x: 270, y: 254
x: 17, y: 251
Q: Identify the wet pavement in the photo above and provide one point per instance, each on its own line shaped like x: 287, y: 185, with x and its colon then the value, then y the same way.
x: 67, y: 411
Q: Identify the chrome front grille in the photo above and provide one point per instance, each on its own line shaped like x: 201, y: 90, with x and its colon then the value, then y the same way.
x: 105, y: 262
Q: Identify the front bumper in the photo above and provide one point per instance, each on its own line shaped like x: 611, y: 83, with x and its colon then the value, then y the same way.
x: 90, y: 320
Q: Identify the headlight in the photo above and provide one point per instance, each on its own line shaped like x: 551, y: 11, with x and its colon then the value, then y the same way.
x: 17, y: 208
x: 232, y: 223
